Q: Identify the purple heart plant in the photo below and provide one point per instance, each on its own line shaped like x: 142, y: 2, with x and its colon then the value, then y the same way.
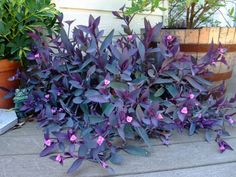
x: 93, y: 95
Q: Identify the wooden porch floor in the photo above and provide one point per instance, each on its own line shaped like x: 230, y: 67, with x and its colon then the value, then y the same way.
x: 185, y: 156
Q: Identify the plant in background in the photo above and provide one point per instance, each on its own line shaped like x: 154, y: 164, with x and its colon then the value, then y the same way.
x: 17, y: 19
x: 196, y: 13
x: 186, y: 13
x: 138, y: 6
x: 88, y: 92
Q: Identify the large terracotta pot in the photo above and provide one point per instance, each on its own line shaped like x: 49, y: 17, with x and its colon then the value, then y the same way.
x: 7, y: 70
x: 197, y: 42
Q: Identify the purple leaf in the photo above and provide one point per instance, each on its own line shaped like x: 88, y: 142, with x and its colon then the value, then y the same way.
x: 121, y: 132
x: 99, y: 98
x: 139, y: 113
x: 195, y: 84
x: 141, y: 49
x: 116, y: 14
x: 107, y: 41
x: 116, y: 159
x: 48, y: 150
x: 192, y: 128
x: 77, y: 100
x: 134, y: 150
x: 75, y: 166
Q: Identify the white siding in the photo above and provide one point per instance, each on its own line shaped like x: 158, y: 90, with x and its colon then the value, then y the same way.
x: 81, y: 9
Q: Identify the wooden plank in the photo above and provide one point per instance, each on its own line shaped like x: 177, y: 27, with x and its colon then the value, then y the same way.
x: 204, y: 35
x: 161, y: 159
x: 219, y: 170
x: 234, y: 41
x: 223, y: 35
x: 214, y: 35
x: 191, y: 36
x: 180, y: 34
x: 230, y: 36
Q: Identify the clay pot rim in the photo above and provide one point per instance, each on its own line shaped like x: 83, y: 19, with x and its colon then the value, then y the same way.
x: 8, y: 65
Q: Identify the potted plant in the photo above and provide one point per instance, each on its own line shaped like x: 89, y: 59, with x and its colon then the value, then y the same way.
x: 17, y: 20
x: 193, y: 23
x: 91, y: 95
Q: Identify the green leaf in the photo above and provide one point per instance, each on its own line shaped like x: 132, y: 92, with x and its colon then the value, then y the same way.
x: 108, y: 109
x: 95, y: 119
x: 139, y: 112
x: 77, y: 100
x: 119, y: 85
x: 172, y: 90
x: 173, y: 75
x: 159, y: 92
x: 195, y: 84
x: 143, y: 134
x: 113, y: 69
x: 86, y: 132
x: 86, y: 63
x: 134, y: 150
x: 192, y: 128
x: 162, y: 81
x: 139, y: 80
x: 84, y: 108
x: 208, y: 135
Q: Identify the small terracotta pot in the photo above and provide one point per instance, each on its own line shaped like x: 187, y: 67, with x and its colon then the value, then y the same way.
x: 7, y: 70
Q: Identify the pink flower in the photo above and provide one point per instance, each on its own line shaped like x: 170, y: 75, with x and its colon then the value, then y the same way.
x: 160, y: 117
x: 12, y: 78
x: 107, y: 82
x: 36, y: 55
x: 213, y: 62
x: 54, y: 110
x: 104, y: 164
x: 59, y: 158
x: 48, y: 142
x: 130, y: 37
x: 60, y: 110
x: 221, y: 51
x: 58, y: 93
x: 222, y: 148
x: 129, y: 119
x: 199, y: 115
x: 47, y: 96
x: 191, y: 96
x: 231, y: 121
x: 73, y: 138
x: 169, y: 38
x: 100, y: 140
x: 184, y: 110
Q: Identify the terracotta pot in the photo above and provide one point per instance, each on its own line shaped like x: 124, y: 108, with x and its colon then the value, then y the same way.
x: 7, y: 70
x: 197, y: 42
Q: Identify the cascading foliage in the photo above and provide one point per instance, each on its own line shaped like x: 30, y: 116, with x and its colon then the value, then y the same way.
x: 88, y: 93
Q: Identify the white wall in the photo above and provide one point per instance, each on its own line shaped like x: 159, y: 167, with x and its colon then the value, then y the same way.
x: 222, y: 15
x: 81, y: 9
